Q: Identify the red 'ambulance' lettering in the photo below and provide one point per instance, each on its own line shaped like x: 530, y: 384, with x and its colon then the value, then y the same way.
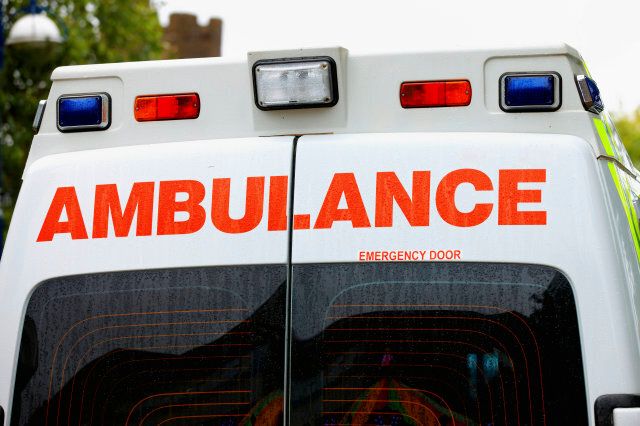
x: 65, y: 199
x: 168, y: 206
x: 415, y: 208
x: 446, y: 198
x: 184, y: 198
x: 301, y: 221
x: 510, y: 196
x: 107, y: 203
x: 278, y: 193
x: 253, y: 207
x: 343, y: 184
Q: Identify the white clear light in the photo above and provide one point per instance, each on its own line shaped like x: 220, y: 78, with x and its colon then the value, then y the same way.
x: 292, y: 84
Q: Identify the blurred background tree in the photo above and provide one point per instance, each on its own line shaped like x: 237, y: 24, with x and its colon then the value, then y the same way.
x: 96, y: 31
x: 629, y: 129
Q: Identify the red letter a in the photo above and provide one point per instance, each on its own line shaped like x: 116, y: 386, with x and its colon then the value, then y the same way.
x: 343, y: 183
x: 67, y: 199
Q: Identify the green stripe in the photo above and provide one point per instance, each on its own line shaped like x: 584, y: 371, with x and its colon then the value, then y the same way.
x: 604, y: 137
x: 629, y: 210
x: 635, y: 226
x: 623, y: 193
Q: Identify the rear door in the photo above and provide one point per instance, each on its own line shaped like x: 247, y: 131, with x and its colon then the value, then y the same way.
x: 430, y: 280
x: 147, y: 285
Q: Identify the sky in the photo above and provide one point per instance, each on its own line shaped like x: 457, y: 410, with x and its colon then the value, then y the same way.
x: 607, y: 34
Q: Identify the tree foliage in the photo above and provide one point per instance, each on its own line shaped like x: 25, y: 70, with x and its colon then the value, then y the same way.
x: 96, y: 31
x: 628, y: 127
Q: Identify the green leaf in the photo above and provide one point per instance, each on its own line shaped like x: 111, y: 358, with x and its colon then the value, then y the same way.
x: 97, y: 32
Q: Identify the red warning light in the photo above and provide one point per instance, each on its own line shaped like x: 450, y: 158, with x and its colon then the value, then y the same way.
x: 429, y: 94
x: 167, y: 107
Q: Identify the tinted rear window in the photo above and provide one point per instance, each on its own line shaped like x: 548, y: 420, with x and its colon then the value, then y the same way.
x: 169, y: 347
x: 435, y: 343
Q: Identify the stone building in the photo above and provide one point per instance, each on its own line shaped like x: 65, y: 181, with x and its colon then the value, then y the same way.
x: 185, y: 38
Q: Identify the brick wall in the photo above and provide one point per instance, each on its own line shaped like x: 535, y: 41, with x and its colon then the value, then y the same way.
x: 184, y: 38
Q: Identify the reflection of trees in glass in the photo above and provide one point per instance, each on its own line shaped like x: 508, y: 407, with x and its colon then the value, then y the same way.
x: 553, y: 321
x: 207, y: 343
x: 490, y: 342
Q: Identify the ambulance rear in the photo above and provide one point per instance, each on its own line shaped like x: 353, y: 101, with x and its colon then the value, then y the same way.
x: 313, y: 237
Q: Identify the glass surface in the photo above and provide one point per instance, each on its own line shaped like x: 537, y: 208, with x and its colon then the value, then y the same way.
x: 595, y: 93
x: 179, y: 346
x: 294, y: 83
x: 435, y: 343
x: 80, y: 111
x: 529, y: 90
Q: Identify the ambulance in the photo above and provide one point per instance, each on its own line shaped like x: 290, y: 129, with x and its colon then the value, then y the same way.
x: 313, y: 237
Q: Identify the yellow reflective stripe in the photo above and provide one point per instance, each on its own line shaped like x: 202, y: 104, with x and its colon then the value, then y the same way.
x: 624, y: 193
x: 628, y: 209
x: 586, y: 69
x: 632, y: 209
x: 604, y: 137
x: 636, y: 227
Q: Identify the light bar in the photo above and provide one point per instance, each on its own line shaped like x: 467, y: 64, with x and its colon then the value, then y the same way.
x: 589, y: 94
x: 295, y: 83
x: 521, y: 92
x: 429, y: 94
x: 179, y: 106
x: 86, y: 112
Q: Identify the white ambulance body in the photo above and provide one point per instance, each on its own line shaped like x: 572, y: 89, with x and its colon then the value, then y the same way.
x: 446, y: 238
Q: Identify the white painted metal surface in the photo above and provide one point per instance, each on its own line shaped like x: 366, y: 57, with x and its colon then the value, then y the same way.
x: 576, y: 229
x: 626, y: 416
x: 369, y: 99
x: 29, y: 262
x: 585, y: 233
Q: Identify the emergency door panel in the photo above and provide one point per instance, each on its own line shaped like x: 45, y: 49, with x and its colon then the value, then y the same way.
x: 451, y: 197
x: 417, y: 294
x: 155, y: 290
x: 216, y: 202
